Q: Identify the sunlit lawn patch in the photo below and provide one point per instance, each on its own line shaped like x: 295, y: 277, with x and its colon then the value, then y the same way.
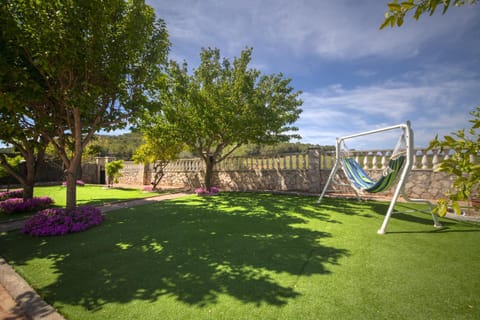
x: 86, y: 195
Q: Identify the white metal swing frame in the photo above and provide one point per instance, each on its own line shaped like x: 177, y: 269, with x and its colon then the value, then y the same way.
x: 407, y: 167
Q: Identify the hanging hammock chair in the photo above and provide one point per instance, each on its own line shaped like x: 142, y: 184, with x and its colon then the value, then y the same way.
x: 399, y: 166
x: 361, y: 181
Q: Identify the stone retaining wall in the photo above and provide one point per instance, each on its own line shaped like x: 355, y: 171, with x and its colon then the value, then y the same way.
x: 300, y: 173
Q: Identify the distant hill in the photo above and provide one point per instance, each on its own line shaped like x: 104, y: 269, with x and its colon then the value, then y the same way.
x: 120, y: 146
x: 123, y: 147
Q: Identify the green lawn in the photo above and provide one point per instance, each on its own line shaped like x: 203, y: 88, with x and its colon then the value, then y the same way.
x: 86, y: 195
x: 256, y: 256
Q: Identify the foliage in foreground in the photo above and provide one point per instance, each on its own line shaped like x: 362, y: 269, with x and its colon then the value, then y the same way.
x: 78, y: 67
x: 462, y: 164
x: 397, y: 11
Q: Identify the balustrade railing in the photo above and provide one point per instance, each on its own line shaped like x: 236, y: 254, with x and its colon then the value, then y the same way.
x: 194, y: 164
x: 292, y: 161
x: 423, y: 159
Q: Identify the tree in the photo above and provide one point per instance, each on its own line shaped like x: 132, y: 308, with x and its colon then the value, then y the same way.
x: 92, y: 63
x: 31, y: 146
x: 160, y: 147
x: 397, y: 11
x: 113, y: 171
x: 19, y: 86
x: 466, y: 147
x: 223, y: 105
x: 13, y: 161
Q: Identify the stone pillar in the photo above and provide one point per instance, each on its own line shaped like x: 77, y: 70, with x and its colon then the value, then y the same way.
x: 101, y: 172
x: 313, y: 173
x: 147, y: 173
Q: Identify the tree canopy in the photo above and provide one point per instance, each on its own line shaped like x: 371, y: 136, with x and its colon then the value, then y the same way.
x: 29, y: 143
x: 398, y: 10
x: 86, y: 66
x: 222, y: 105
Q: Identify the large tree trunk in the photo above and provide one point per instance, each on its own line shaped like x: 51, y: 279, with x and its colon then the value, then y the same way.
x: 27, y: 179
x: 75, y: 162
x: 29, y: 182
x: 71, y: 179
x: 210, y: 163
x: 158, y: 169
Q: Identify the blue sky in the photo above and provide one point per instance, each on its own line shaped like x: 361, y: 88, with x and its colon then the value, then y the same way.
x: 354, y: 77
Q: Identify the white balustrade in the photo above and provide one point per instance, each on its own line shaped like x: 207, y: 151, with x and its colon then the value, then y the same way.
x: 370, y: 159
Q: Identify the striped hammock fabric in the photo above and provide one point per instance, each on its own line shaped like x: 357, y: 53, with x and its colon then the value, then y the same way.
x: 361, y: 181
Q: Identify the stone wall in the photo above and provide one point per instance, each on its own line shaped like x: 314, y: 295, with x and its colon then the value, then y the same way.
x: 135, y: 174
x: 421, y: 184
x: 307, y: 172
x: 90, y: 173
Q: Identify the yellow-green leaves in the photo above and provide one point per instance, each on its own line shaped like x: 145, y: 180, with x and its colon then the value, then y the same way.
x: 397, y: 11
x: 463, y: 164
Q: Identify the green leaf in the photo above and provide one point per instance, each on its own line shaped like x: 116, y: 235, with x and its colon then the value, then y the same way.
x: 456, y: 207
x: 387, y: 21
x: 392, y: 6
x: 407, y: 5
x: 399, y: 21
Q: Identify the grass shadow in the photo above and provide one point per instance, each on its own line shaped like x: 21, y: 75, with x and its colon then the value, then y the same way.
x: 415, y: 213
x: 193, y: 249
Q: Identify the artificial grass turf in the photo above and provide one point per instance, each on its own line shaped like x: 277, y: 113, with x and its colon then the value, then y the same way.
x: 256, y: 256
x: 86, y: 195
x: 93, y: 194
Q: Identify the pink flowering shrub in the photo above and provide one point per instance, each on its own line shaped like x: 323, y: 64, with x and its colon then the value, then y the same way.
x: 149, y: 189
x: 56, y: 221
x: 11, y: 194
x: 14, y: 205
x: 205, y: 192
x: 80, y: 183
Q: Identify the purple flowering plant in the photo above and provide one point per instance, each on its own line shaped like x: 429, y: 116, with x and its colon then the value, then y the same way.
x: 204, y: 191
x: 14, y: 205
x: 11, y: 194
x: 59, y: 221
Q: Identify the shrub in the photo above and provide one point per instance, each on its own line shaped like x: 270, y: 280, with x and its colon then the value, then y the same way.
x: 113, y: 171
x: 205, y: 192
x: 11, y: 194
x: 79, y: 183
x: 57, y: 221
x: 149, y: 189
x: 14, y: 205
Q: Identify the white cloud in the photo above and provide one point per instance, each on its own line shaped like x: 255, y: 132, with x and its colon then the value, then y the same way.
x: 329, y: 29
x: 434, y: 104
x: 338, y: 43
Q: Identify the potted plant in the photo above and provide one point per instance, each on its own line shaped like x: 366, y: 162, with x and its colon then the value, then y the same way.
x: 463, y: 165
